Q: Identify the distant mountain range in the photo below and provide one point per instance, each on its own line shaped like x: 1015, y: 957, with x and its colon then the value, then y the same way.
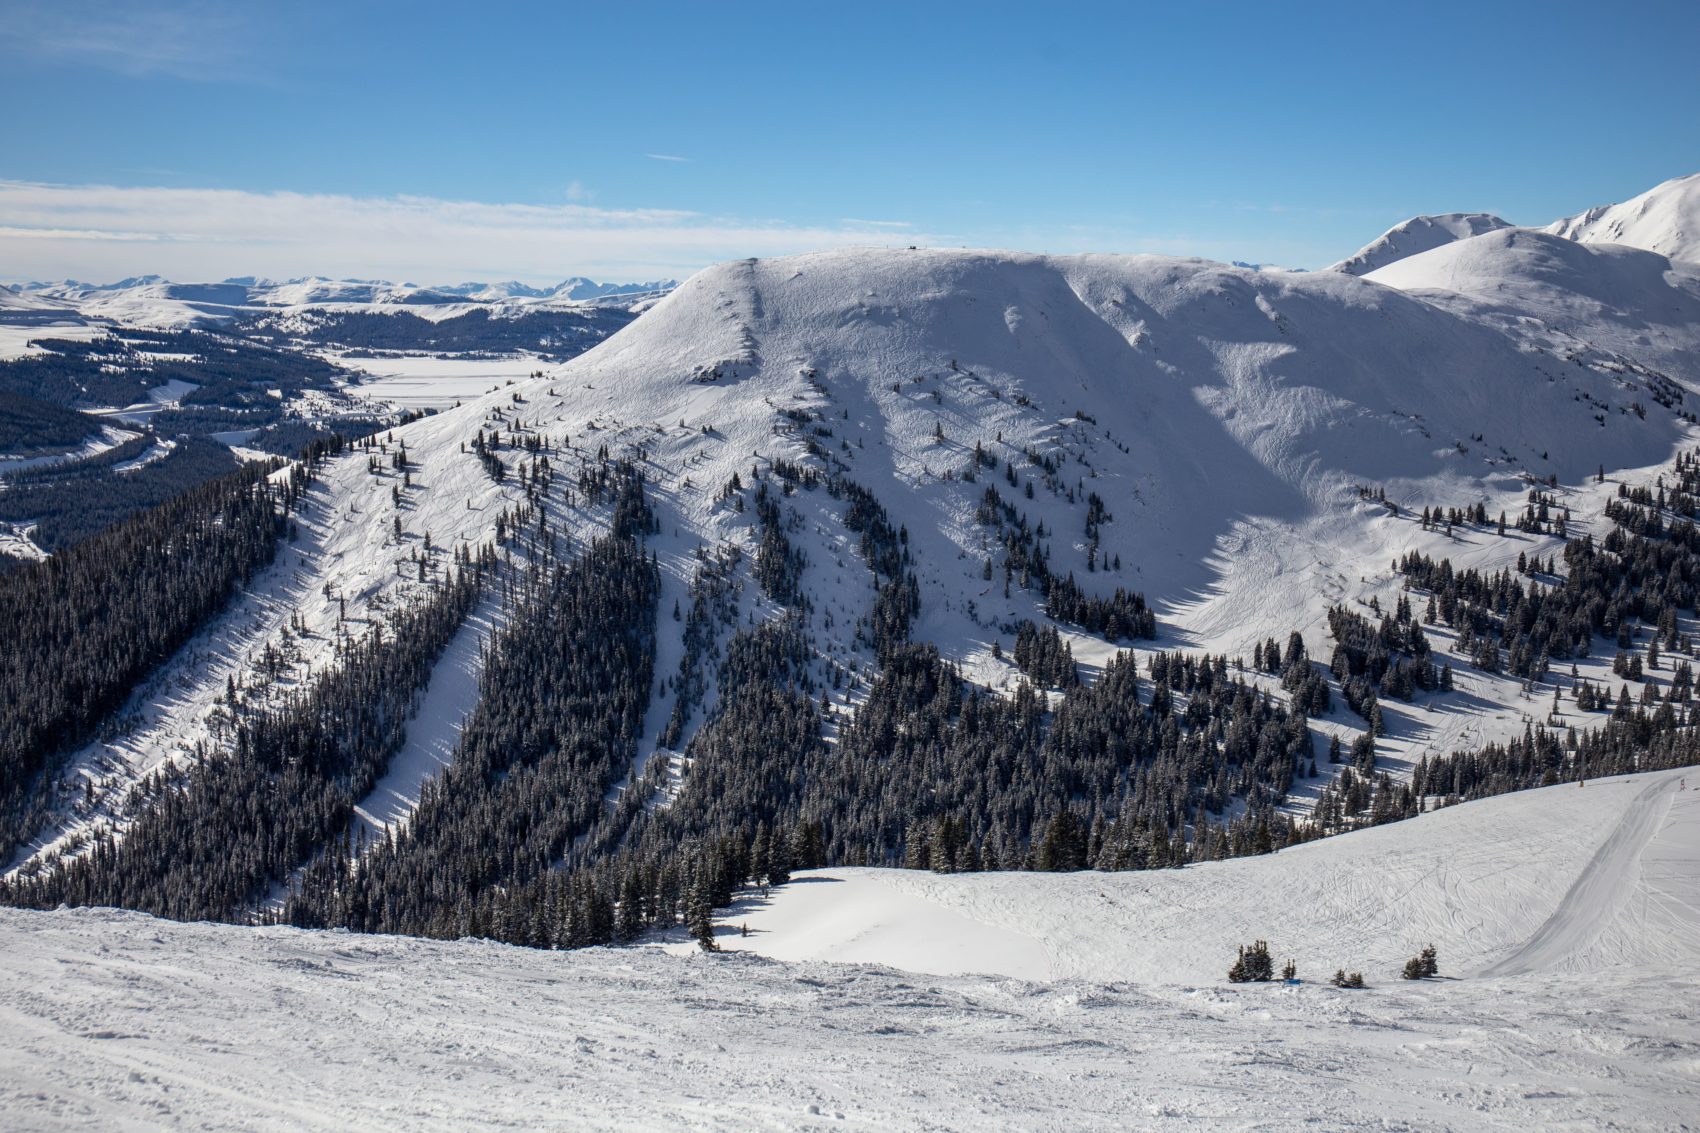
x: 258, y: 288
x: 1665, y: 219
x: 154, y: 301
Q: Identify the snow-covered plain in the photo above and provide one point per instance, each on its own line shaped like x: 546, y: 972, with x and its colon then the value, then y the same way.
x: 425, y: 381
x: 115, y: 1020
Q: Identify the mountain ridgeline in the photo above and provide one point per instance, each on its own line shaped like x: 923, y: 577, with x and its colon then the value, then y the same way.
x: 953, y: 561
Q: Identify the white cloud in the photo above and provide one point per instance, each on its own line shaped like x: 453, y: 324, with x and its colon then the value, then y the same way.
x: 665, y: 157
x: 186, y: 39
x: 104, y: 232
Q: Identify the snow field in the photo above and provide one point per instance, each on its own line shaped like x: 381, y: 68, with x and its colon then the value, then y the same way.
x: 117, y: 1020
x: 1565, y: 878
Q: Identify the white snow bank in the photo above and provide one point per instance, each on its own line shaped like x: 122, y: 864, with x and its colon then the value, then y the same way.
x: 1565, y: 878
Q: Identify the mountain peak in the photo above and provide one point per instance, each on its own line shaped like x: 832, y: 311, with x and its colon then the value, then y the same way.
x: 1665, y: 219
x: 1419, y: 234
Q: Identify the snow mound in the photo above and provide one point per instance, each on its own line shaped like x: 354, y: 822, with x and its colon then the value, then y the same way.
x: 1419, y: 234
x: 1561, y: 879
x: 1665, y: 219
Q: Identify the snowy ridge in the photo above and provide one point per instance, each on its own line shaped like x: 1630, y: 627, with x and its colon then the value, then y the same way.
x: 1608, y: 304
x: 1559, y: 879
x: 1419, y: 234
x: 1665, y: 219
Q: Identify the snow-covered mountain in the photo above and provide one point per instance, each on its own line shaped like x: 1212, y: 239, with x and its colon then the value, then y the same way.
x: 1665, y: 219
x: 1229, y: 421
x: 153, y: 301
x: 835, y: 442
x: 1418, y: 234
x: 577, y: 287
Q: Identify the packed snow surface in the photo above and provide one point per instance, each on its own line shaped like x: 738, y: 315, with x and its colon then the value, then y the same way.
x: 1567, y: 878
x: 116, y: 1020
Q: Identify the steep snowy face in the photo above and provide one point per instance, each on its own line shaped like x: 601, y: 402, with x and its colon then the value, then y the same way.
x: 1419, y: 234
x: 1186, y: 394
x: 1665, y: 219
x: 1185, y: 371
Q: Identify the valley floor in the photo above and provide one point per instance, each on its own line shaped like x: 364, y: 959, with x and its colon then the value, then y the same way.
x: 115, y: 1020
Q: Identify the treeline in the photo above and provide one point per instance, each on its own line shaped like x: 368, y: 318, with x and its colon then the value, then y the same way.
x: 561, y: 704
x: 211, y: 843
x: 84, y: 627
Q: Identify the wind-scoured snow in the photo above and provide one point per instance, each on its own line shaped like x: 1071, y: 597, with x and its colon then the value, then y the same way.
x: 1418, y: 234
x: 118, y: 1020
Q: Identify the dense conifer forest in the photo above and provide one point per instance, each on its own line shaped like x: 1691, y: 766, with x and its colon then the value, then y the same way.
x: 557, y: 334
x: 67, y: 503
x: 548, y: 828
x: 84, y: 627
x: 228, y: 372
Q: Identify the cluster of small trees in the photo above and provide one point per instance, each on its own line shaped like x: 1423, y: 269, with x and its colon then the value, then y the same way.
x: 1254, y: 965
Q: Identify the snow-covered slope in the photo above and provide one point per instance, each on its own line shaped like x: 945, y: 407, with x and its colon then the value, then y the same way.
x: 1560, y: 879
x: 1610, y: 304
x: 108, y: 1015
x: 1418, y: 234
x: 1226, y: 418
x: 1665, y: 219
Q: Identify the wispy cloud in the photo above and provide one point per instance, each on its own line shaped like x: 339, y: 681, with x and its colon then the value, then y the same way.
x: 90, y: 231
x: 190, y: 39
x: 665, y: 157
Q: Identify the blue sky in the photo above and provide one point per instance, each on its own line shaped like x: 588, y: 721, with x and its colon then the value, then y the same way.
x: 440, y: 142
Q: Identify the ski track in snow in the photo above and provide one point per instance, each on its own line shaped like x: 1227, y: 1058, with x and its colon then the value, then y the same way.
x: 1604, y: 887
x: 1533, y: 881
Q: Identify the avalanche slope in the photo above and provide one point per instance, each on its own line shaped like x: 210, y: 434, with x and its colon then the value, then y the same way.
x: 1228, y: 419
x: 116, y: 1019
